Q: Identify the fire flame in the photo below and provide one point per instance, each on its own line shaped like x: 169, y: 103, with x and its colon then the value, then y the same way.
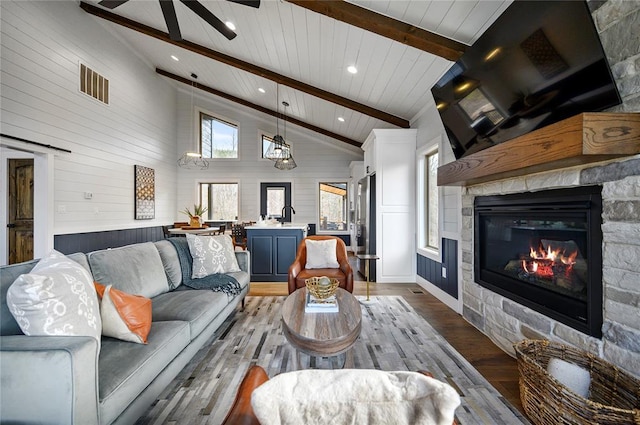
x: 544, y: 263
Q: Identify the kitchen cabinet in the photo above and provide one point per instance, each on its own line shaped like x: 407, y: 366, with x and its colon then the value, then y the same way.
x: 272, y: 250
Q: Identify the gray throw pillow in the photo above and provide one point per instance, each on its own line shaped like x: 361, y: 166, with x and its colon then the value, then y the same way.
x: 212, y: 254
x: 56, y: 298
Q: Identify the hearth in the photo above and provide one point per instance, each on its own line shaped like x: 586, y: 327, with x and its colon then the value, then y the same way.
x: 544, y: 250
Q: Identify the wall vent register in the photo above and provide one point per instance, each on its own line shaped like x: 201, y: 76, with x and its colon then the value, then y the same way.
x: 94, y: 84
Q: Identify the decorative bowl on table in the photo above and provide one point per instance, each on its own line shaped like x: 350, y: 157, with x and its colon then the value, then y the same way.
x: 322, y: 287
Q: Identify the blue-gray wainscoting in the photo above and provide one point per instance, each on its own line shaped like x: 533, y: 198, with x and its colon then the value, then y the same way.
x: 432, y: 270
x: 92, y: 241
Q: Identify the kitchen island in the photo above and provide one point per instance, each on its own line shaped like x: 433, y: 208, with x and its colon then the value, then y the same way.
x: 273, y: 248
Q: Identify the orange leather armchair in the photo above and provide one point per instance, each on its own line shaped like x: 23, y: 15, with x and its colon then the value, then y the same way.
x: 298, y: 274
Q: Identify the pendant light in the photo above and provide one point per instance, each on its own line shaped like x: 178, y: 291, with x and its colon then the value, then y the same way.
x: 277, y: 145
x: 192, y: 160
x: 286, y: 161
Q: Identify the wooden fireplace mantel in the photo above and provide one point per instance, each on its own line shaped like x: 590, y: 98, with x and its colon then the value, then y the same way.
x: 582, y: 139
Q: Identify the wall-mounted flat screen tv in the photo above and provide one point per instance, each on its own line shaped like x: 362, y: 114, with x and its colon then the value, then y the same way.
x: 539, y: 63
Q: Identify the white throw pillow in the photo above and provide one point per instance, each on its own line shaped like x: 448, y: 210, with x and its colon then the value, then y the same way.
x: 321, y: 254
x: 56, y: 298
x: 212, y: 254
x: 354, y: 396
x: 572, y: 376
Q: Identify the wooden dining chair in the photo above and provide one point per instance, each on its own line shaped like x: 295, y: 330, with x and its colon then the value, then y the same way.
x: 239, y: 236
x: 221, y: 229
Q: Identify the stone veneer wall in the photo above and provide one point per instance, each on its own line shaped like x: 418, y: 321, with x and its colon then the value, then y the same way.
x: 507, y: 322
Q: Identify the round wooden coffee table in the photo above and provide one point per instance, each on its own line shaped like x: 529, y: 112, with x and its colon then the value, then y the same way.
x: 322, y: 334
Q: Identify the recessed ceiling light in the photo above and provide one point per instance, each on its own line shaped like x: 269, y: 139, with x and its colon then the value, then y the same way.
x: 352, y: 69
x: 463, y: 87
x: 261, y: 90
x: 340, y: 119
x: 175, y: 58
x: 492, y: 54
x: 230, y: 25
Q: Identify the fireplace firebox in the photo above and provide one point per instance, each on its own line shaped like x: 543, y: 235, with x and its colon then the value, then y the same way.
x: 544, y: 250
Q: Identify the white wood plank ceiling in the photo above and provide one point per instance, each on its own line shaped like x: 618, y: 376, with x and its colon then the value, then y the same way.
x: 316, y: 50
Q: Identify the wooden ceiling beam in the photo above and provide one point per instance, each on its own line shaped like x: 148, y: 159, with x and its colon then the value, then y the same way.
x: 245, y: 66
x: 385, y: 26
x: 262, y: 109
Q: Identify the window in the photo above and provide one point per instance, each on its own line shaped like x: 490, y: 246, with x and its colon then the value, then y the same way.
x: 221, y: 200
x: 333, y: 206
x: 266, y: 142
x: 275, y: 201
x: 218, y: 138
x: 431, y: 200
x: 274, y: 197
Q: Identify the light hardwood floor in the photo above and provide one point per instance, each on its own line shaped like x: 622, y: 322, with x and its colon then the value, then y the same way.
x: 496, y: 366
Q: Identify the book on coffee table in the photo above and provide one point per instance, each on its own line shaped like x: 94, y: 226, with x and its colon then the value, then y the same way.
x: 315, y: 305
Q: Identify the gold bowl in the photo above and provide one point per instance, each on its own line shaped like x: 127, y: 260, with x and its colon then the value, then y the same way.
x: 322, y: 287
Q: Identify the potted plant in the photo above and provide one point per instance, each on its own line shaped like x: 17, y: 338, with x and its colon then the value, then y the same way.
x: 195, y: 218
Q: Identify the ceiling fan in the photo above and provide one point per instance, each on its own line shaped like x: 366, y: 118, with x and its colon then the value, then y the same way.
x: 171, y: 19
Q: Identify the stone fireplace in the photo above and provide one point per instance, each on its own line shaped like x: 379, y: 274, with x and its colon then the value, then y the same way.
x: 507, y: 321
x: 544, y: 250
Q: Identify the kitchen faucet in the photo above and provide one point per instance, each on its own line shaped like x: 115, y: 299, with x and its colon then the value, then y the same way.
x: 284, y: 208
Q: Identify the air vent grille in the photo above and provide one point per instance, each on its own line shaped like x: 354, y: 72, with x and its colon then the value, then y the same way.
x: 94, y: 84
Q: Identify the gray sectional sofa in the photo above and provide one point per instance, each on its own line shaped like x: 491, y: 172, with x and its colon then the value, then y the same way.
x: 71, y: 380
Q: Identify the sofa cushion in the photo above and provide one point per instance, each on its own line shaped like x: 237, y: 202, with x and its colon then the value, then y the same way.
x: 124, y: 316
x: 242, y: 277
x: 212, y: 254
x: 196, y: 306
x: 135, y: 269
x: 171, y: 263
x: 321, y: 254
x: 126, y: 369
x: 56, y: 298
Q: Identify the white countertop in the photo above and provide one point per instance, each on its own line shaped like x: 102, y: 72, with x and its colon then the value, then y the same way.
x: 279, y: 226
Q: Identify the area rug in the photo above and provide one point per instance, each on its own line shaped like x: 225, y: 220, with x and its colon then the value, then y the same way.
x: 394, y: 337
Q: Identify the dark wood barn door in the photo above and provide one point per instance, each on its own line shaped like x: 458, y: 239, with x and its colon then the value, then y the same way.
x: 20, y: 217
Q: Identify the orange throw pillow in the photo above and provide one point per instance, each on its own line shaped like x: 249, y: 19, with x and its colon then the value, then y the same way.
x: 124, y: 316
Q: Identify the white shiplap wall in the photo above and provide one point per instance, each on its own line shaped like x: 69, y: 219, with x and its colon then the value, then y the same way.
x: 42, y: 46
x: 318, y: 157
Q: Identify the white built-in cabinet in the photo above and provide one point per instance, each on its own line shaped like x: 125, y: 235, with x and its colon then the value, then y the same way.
x: 390, y: 154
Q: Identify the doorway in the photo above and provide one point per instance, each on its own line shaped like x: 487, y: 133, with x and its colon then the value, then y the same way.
x: 20, y: 176
x: 274, y: 197
x: 34, y: 205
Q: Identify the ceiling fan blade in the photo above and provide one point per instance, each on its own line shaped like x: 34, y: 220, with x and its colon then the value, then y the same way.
x: 205, y: 14
x: 251, y: 3
x: 111, y: 4
x: 171, y: 19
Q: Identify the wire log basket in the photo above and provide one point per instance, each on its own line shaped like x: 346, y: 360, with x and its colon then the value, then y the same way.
x: 614, y: 395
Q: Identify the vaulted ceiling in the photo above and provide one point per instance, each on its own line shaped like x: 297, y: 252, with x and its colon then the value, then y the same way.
x: 299, y: 51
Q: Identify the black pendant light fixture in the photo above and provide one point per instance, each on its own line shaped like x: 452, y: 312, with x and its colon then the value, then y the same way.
x: 277, y: 145
x: 286, y: 161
